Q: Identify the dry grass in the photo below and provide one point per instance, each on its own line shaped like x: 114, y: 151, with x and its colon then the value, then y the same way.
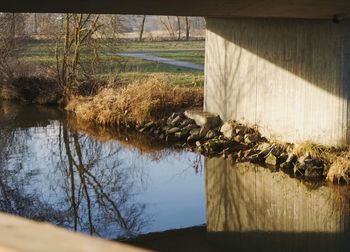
x: 138, y: 102
x: 340, y: 168
x: 309, y: 148
x: 325, y: 153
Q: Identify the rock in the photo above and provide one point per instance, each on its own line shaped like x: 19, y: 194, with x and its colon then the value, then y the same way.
x: 264, y: 139
x: 204, y: 119
x: 271, y: 159
x: 173, y: 130
x: 204, y: 130
x: 211, y: 134
x: 299, y: 170
x: 142, y: 129
x: 234, y: 146
x: 171, y: 118
x: 170, y: 138
x: 215, y: 146
x: 251, y: 152
x: 166, y: 128
x: 243, y: 129
x: 181, y: 135
x: 238, y: 138
x: 176, y: 121
x: 309, y: 167
x: 275, y: 160
x: 292, y: 158
x: 190, y: 127
x: 265, y: 150
x: 193, y: 137
x: 313, y: 168
x: 251, y: 138
x: 195, y: 131
x: 314, y: 172
x: 187, y: 122
x: 264, y: 146
x: 276, y: 150
x: 228, y: 129
x: 256, y: 159
x: 147, y: 126
x: 282, y: 158
x: 287, y: 167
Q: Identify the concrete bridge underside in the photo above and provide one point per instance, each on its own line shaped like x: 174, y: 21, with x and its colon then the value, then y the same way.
x: 280, y: 64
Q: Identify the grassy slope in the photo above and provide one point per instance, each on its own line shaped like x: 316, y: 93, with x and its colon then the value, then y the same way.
x: 42, y: 53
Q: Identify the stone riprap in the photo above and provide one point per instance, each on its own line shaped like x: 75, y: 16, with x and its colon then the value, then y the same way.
x: 232, y: 140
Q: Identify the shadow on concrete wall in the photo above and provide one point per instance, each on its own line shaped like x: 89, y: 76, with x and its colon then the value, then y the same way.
x: 313, y: 50
x: 288, y: 76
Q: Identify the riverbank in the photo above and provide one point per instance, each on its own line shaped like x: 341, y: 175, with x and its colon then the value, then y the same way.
x: 166, y: 113
x: 152, y: 113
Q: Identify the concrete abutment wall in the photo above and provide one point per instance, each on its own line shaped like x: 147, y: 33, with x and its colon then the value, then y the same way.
x: 288, y: 76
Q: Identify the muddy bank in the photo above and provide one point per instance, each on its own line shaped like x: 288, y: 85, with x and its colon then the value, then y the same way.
x: 38, y: 90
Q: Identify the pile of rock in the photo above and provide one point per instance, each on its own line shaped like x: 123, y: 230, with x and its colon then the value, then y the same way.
x: 190, y: 126
x: 281, y: 157
x: 204, y: 133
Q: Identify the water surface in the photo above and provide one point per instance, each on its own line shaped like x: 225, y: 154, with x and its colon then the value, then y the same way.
x: 51, y: 171
x: 117, y: 184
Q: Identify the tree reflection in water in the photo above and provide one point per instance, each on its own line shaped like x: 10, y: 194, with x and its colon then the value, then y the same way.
x: 105, y: 184
x: 90, y: 188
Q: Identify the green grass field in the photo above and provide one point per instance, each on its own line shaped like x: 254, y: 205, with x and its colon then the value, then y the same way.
x: 42, y: 53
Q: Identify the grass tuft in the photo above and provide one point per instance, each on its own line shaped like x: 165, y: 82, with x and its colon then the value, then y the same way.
x: 340, y: 168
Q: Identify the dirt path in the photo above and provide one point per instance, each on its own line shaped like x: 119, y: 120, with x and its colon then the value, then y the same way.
x: 149, y: 57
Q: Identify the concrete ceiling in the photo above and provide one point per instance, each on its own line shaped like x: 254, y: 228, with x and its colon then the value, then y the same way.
x: 210, y: 8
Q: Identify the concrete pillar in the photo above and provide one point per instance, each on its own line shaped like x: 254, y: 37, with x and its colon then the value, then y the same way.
x: 288, y: 76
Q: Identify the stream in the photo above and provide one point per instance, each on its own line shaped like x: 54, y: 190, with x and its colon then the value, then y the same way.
x: 119, y: 185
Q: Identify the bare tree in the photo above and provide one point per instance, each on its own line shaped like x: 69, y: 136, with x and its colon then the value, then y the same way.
x: 78, y: 32
x: 168, y: 24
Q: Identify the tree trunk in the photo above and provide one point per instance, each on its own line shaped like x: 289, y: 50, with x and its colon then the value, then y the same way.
x: 178, y: 28
x: 35, y: 24
x: 187, y: 29
x: 142, y: 27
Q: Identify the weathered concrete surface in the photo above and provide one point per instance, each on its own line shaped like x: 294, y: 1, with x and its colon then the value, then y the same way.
x: 249, y: 203
x: 209, y: 8
x: 20, y: 235
x: 288, y: 76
